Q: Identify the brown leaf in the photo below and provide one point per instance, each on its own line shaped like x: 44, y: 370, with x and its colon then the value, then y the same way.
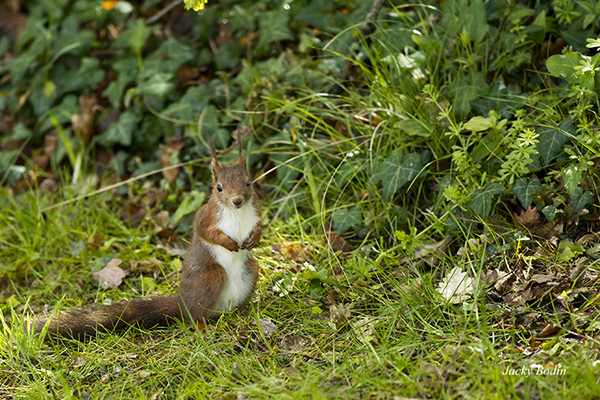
x: 538, y: 287
x: 48, y: 186
x: 430, y: 253
x: 173, y: 145
x: 111, y: 276
x: 51, y: 142
x: 109, y: 119
x: 186, y: 75
x: 7, y: 122
x: 501, y: 280
x: 12, y: 24
x: 173, y: 251
x: 550, y: 230
x: 529, y: 218
x: 549, y: 329
x: 338, y: 243
x: 134, y: 211
x: 146, y: 266
x: 293, y: 343
x: 95, y: 241
x: 290, y: 250
x: 162, y: 218
x: 84, y: 123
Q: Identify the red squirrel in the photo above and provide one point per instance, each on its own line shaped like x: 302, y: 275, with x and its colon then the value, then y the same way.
x: 218, y: 273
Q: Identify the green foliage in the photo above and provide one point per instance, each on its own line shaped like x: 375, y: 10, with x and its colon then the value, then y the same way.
x: 407, y: 142
x: 581, y: 198
x: 397, y: 170
x: 455, y: 83
x: 525, y: 188
x: 553, y: 138
x: 345, y: 219
x: 482, y: 201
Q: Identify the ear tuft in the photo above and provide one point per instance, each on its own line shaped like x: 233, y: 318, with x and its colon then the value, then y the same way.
x: 241, y: 159
x: 214, y: 164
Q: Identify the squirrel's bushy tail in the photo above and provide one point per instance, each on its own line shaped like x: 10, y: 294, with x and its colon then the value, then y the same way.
x: 145, y: 313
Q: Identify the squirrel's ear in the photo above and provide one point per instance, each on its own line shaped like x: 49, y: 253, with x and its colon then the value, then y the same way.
x: 241, y: 158
x: 214, y: 164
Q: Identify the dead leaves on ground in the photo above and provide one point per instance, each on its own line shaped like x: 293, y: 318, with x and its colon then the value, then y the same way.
x: 111, y: 276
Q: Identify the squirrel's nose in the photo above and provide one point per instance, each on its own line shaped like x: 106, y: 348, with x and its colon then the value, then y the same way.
x: 237, y: 201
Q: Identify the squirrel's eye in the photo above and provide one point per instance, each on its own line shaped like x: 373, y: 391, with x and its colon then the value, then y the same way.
x: 248, y: 183
x: 219, y: 188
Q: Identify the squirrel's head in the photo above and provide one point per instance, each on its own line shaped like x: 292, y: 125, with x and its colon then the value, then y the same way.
x: 231, y: 183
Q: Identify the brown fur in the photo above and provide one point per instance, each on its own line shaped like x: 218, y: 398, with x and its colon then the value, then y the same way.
x: 202, y: 277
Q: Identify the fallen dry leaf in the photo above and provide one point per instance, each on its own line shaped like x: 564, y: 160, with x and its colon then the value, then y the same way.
x: 173, y: 251
x: 12, y: 24
x: 134, y: 211
x: 293, y: 251
x: 339, y: 314
x: 111, y: 276
x: 174, y: 145
x: 365, y: 329
x: 456, y: 286
x: 429, y: 253
x: 267, y: 326
x: 538, y: 286
x: 529, y: 218
x: 502, y: 280
x: 145, y: 266
x: 338, y: 243
x: 48, y: 186
x: 293, y: 343
x: 83, y: 123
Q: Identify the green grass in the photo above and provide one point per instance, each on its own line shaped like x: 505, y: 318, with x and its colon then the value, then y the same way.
x: 389, y: 332
x: 442, y: 130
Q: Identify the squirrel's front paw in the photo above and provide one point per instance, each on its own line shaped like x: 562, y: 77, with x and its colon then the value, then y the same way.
x: 250, y: 243
x: 231, y: 245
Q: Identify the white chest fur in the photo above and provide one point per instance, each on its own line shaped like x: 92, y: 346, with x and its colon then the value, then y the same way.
x: 237, y: 223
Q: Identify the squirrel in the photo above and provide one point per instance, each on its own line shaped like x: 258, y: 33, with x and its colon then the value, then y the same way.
x: 219, y: 272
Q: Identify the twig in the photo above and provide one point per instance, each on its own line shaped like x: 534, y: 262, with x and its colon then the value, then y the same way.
x: 164, y: 11
x: 369, y: 26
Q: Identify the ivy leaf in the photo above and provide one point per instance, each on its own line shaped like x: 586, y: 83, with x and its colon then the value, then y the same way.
x: 227, y: 57
x: 581, y: 198
x: 413, y: 128
x: 346, y: 218
x: 553, y: 138
x: 486, y: 146
x: 121, y: 132
x: 482, y: 200
x: 478, y: 124
x: 571, y: 178
x: 190, y: 106
x: 317, y: 13
x: 524, y: 188
x: 464, y: 90
x: 563, y: 65
x: 127, y: 69
x: 462, y: 95
x: 87, y: 75
x: 168, y: 57
x: 550, y: 212
x: 273, y: 26
x: 476, y: 22
x: 158, y: 85
x: 138, y: 35
x: 393, y: 173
